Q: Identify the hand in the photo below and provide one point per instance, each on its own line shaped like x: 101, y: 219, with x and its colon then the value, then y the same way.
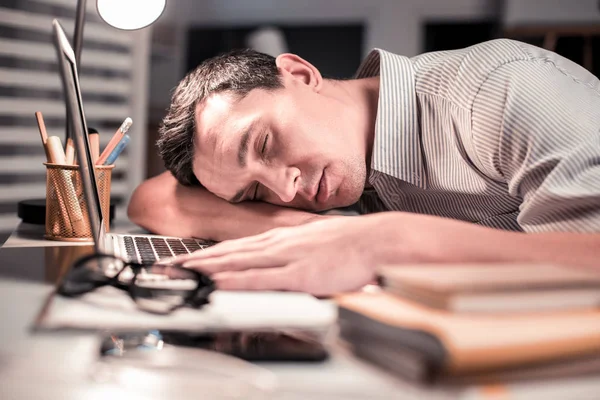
x: 322, y: 258
x: 341, y: 253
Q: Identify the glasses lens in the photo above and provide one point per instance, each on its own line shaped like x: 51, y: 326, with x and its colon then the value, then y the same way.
x: 162, y: 288
x: 89, y: 273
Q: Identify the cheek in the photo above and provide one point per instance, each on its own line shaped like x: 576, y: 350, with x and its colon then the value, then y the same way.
x: 299, y: 129
x: 304, y: 135
x: 301, y: 143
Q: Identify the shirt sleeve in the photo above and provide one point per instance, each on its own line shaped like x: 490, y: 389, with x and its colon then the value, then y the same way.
x: 536, y: 128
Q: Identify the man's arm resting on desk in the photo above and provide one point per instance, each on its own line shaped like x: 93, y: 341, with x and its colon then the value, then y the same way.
x: 163, y: 206
x: 341, y: 254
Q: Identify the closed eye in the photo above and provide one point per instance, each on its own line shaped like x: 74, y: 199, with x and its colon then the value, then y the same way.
x: 262, y: 152
x: 264, y: 146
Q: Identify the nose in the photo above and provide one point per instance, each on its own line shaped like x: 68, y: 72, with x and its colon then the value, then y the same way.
x: 284, y: 183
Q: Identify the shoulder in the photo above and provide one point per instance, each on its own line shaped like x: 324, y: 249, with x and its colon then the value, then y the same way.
x: 481, y: 57
x: 457, y: 75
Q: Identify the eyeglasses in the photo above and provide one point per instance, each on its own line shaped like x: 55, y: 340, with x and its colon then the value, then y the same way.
x: 154, y: 288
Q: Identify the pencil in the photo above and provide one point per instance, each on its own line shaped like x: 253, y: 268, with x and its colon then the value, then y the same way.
x: 114, y: 140
x: 60, y: 180
x: 69, y: 152
x: 117, y: 151
x: 65, y: 190
x: 55, y: 149
x: 60, y: 195
x: 94, y: 137
x: 43, y: 133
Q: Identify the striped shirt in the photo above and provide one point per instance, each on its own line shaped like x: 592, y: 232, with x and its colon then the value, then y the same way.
x: 501, y: 134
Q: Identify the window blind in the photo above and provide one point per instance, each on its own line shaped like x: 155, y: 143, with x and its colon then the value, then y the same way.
x: 113, y: 75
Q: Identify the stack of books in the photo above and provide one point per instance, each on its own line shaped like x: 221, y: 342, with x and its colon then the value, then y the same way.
x: 477, y: 323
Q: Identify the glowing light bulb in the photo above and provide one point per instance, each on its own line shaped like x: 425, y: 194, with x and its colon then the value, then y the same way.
x: 130, y: 14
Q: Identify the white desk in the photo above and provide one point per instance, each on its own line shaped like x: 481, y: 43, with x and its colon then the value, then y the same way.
x: 53, y: 365
x: 39, y: 365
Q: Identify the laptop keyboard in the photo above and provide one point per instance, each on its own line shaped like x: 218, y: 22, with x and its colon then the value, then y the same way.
x: 148, y: 250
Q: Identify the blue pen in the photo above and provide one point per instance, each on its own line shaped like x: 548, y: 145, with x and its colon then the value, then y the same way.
x: 117, y: 150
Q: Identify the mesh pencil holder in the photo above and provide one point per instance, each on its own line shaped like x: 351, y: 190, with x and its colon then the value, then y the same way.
x: 67, y: 215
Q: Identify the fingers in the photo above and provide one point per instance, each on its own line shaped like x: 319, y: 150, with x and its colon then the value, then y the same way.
x: 235, y: 261
x: 228, y: 247
x: 168, y: 271
x: 246, y: 244
x: 283, y: 278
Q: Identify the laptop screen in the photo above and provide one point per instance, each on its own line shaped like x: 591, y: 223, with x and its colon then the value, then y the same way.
x: 70, y: 80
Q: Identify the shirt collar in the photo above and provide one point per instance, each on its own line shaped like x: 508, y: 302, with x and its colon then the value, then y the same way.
x: 397, y: 145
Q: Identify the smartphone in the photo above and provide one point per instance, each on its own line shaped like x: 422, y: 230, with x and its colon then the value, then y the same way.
x: 255, y: 346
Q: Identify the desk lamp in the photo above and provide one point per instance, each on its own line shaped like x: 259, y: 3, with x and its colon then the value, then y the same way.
x: 121, y: 14
x: 130, y: 14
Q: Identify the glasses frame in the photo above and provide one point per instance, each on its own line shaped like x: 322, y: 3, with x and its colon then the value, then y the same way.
x: 195, y: 298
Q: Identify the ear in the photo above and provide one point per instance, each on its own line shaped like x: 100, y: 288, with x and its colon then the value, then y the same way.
x: 300, y: 70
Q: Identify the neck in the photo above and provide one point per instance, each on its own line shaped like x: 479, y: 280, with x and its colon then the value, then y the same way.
x: 359, y: 99
x: 370, y: 103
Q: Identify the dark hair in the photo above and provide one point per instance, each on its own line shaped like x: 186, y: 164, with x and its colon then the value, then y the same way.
x: 237, y: 72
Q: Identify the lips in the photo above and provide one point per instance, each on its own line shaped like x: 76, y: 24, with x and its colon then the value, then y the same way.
x: 315, y: 191
x: 323, y: 188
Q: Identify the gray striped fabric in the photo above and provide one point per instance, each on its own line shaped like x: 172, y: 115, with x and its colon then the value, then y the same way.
x: 502, y: 134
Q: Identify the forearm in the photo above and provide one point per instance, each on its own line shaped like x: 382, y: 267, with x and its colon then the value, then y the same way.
x: 440, y: 240
x: 163, y: 206
x: 560, y: 247
x: 489, y: 245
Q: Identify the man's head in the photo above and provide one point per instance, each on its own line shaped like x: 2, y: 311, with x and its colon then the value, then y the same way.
x: 247, y: 126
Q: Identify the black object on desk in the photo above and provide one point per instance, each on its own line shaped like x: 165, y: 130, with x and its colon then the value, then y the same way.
x: 39, y: 264
x: 33, y: 211
x: 255, y: 346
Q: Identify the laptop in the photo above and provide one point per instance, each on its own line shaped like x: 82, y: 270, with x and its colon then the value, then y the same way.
x: 143, y: 249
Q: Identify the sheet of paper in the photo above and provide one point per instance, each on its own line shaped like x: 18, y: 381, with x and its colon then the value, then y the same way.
x: 110, y: 308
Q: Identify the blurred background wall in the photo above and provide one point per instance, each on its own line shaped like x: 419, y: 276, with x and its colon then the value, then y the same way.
x: 333, y: 34
x: 336, y: 34
x: 114, y: 82
x: 320, y: 31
